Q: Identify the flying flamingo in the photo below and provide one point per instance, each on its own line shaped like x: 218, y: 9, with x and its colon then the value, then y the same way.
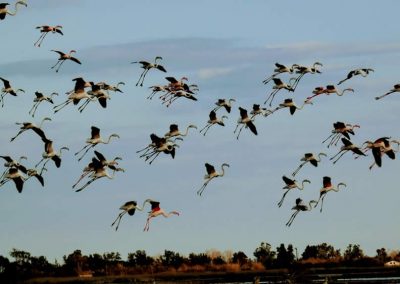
x: 327, y: 186
x: 300, y: 206
x: 129, y: 207
x: 291, y: 105
x: 291, y: 184
x: 107, y: 87
x: 11, y: 163
x: 98, y: 172
x: 94, y: 140
x: 96, y: 93
x: 111, y: 164
x: 246, y: 121
x: 348, y: 146
x: 159, y: 145
x: 176, y: 95
x: 4, y: 11
x: 303, y: 70
x: 396, y: 88
x: 360, y: 71
x: 379, y: 147
x: 340, y: 128
x: 34, y: 173
x: 64, y: 57
x: 15, y: 175
x: 280, y: 68
x: 227, y: 104
x: 257, y: 110
x: 50, y: 154
x: 39, y: 97
x: 147, y: 66
x: 45, y: 30
x: 309, y: 158
x: 330, y: 89
x: 8, y: 90
x: 211, y: 173
x: 174, y: 131
x: 157, y: 211
x: 213, y: 120
x: 76, y: 95
x: 157, y: 88
x: 279, y: 85
x: 29, y: 125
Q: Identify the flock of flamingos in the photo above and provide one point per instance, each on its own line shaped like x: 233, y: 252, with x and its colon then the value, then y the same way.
x: 86, y: 92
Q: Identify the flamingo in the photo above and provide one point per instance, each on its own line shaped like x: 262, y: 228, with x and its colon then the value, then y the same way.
x: 291, y: 105
x: 348, y: 146
x: 396, y: 88
x: 280, y: 68
x: 279, y: 85
x: 300, y: 206
x: 15, y: 175
x: 159, y: 145
x: 107, y: 87
x: 257, y: 110
x: 360, y: 71
x: 147, y: 66
x: 29, y: 125
x: 330, y: 89
x: 8, y: 90
x: 309, y: 158
x: 178, y: 94
x: 303, y: 70
x: 64, y: 57
x: 50, y: 154
x: 213, y: 120
x: 34, y: 173
x: 96, y: 93
x: 4, y: 11
x: 157, y: 211
x: 379, y: 147
x: 227, y: 104
x: 246, y: 121
x: 111, y: 164
x: 39, y: 97
x: 76, y: 95
x: 291, y: 184
x: 11, y: 163
x: 211, y: 173
x: 174, y: 131
x: 157, y: 88
x: 94, y: 140
x: 99, y: 171
x: 44, y: 30
x: 327, y: 186
x: 129, y: 207
x: 174, y: 84
x: 340, y: 128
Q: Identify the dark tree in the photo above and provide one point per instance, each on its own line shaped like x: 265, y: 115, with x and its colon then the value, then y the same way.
x: 265, y: 255
x: 199, y: 259
x: 171, y: 258
x: 140, y: 258
x: 353, y: 253
x: 239, y: 257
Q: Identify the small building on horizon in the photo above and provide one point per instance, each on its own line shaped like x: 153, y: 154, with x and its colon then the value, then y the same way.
x: 392, y: 263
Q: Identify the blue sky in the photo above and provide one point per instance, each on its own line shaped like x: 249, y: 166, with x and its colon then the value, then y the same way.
x: 227, y: 48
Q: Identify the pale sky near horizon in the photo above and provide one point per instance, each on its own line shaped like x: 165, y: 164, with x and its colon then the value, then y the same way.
x: 227, y: 48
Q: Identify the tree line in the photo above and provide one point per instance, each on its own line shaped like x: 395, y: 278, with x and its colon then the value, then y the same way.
x: 24, y: 266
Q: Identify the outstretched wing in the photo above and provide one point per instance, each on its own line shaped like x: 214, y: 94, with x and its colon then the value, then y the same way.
x: 252, y: 127
x: 6, y: 83
x: 100, y: 156
x: 210, y: 168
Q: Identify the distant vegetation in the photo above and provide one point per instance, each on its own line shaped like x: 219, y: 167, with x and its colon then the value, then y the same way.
x: 24, y: 266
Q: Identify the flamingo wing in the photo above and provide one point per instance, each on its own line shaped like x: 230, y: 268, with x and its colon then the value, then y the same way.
x: 100, y: 156
x: 252, y: 127
x: 6, y: 83
x: 161, y: 68
x: 95, y: 132
x: 287, y: 180
x: 326, y: 181
x: 376, y: 152
x: 75, y: 60
x: 210, y: 168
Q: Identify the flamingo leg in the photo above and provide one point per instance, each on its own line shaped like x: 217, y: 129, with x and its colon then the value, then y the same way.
x: 240, y: 131
x: 155, y: 156
x: 41, y: 38
x: 84, y: 105
x: 147, y: 226
x: 44, y: 167
x: 20, y: 132
x: 296, y: 82
x: 380, y: 97
x: 34, y: 111
x: 271, y: 96
x: 292, y: 218
x: 59, y: 66
x: 64, y: 104
x: 88, y: 183
x: 80, y: 178
x: 4, y: 181
x: 200, y: 191
x: 4, y: 174
x: 84, y: 147
x: 58, y: 62
x: 119, y: 218
x: 344, y: 152
x: 298, y: 168
x: 283, y: 197
x: 87, y: 150
x: 265, y: 81
x: 33, y: 107
x: 322, y: 202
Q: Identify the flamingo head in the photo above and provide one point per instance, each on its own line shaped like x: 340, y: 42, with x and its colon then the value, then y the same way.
x: 225, y: 165
x: 192, y: 126
x: 114, y: 135
x: 72, y: 51
x: 184, y: 78
x: 22, y: 2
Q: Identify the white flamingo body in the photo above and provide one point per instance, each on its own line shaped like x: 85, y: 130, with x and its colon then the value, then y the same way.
x: 309, y: 158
